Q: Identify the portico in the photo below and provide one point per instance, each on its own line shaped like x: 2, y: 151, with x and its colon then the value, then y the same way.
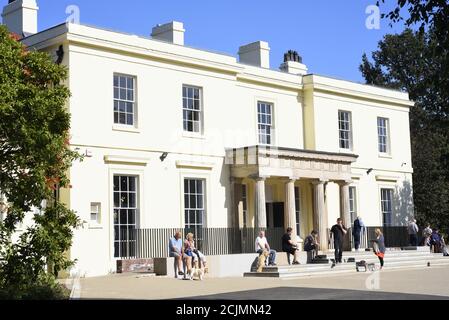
x: 292, y: 179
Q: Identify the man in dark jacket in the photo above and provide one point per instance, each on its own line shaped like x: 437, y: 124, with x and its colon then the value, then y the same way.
x: 289, y: 246
x: 338, y: 232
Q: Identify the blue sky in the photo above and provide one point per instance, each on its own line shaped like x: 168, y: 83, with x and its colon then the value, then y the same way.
x: 331, y: 36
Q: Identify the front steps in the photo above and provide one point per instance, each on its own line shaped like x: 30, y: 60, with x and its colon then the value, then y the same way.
x: 394, y: 259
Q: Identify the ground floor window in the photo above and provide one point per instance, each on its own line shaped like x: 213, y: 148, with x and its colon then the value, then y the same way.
x: 298, y: 210
x: 245, y: 205
x: 387, y: 206
x: 195, y: 207
x: 125, y: 215
x: 353, y: 203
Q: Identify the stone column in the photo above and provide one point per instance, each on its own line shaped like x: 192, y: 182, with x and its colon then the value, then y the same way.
x: 345, y: 215
x: 344, y: 203
x: 236, y: 199
x: 290, y: 207
x: 319, y: 219
x: 261, y: 213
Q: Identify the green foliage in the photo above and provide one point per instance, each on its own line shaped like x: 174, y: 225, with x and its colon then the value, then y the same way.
x: 409, y: 61
x: 34, y: 161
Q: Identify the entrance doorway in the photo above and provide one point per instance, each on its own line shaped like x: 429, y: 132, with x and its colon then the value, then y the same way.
x: 275, y: 215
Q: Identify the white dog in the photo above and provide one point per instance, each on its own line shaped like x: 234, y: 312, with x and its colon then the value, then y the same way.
x: 197, y: 273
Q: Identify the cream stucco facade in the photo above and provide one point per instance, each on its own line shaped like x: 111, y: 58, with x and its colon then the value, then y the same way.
x: 304, y: 152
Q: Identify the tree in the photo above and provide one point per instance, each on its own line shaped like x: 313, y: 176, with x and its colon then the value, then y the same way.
x: 408, y: 62
x: 34, y: 161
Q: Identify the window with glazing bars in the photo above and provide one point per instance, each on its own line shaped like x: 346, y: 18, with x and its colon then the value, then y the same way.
x: 344, y: 125
x: 195, y: 207
x: 382, y: 132
x: 265, y: 122
x: 353, y: 203
x: 298, y: 210
x: 124, y: 100
x: 387, y: 206
x: 191, y: 109
x: 125, y: 215
x: 245, y: 205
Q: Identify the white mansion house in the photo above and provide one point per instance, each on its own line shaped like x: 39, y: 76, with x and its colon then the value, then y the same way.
x: 179, y: 137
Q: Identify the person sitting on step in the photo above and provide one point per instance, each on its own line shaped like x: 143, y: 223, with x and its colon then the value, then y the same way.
x: 262, y: 244
x: 289, y: 246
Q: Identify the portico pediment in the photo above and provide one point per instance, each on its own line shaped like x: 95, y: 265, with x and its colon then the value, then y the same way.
x: 286, y: 162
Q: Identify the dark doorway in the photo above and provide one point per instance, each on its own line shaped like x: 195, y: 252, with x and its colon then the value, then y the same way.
x: 275, y: 215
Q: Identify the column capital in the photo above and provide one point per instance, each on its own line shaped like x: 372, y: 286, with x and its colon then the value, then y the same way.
x: 258, y: 178
x: 291, y: 179
x: 344, y: 183
x: 319, y: 181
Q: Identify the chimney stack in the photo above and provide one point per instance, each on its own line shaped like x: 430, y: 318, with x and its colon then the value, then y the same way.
x: 256, y: 54
x: 293, y: 64
x: 172, y: 32
x: 20, y: 17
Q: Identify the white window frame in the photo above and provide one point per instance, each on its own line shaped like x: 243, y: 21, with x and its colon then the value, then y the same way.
x: 245, y: 211
x: 298, y: 208
x: 118, y: 169
x: 125, y: 126
x: 382, y: 212
x: 200, y: 112
x: 385, y: 134
x: 136, y: 207
x: 349, y: 131
x: 204, y: 204
x: 354, y: 212
x: 270, y: 124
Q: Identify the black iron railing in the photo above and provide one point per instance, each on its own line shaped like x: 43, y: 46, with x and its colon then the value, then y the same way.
x: 154, y: 243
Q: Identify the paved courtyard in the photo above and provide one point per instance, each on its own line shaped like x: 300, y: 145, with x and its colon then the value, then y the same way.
x: 428, y: 283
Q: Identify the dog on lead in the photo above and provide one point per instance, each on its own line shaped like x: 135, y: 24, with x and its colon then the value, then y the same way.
x: 262, y: 258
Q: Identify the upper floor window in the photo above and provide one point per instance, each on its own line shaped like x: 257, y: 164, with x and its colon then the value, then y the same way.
x: 382, y: 133
x: 265, y: 122
x: 124, y: 100
x: 345, y: 129
x: 191, y: 109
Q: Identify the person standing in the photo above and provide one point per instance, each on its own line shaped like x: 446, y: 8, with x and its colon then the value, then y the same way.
x: 338, y: 232
x: 427, y: 233
x: 379, y: 247
x: 413, y: 233
x: 311, y: 246
x: 289, y: 246
x: 357, y: 231
x: 262, y: 245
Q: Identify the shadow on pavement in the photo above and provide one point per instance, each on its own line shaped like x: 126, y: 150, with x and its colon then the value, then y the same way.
x: 295, y: 293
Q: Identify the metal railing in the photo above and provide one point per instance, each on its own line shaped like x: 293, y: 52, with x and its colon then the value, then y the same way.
x: 154, y: 243
x: 395, y: 237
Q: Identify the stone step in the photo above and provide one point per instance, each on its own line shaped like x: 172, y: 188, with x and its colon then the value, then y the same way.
x: 315, y: 270
x: 371, y: 259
